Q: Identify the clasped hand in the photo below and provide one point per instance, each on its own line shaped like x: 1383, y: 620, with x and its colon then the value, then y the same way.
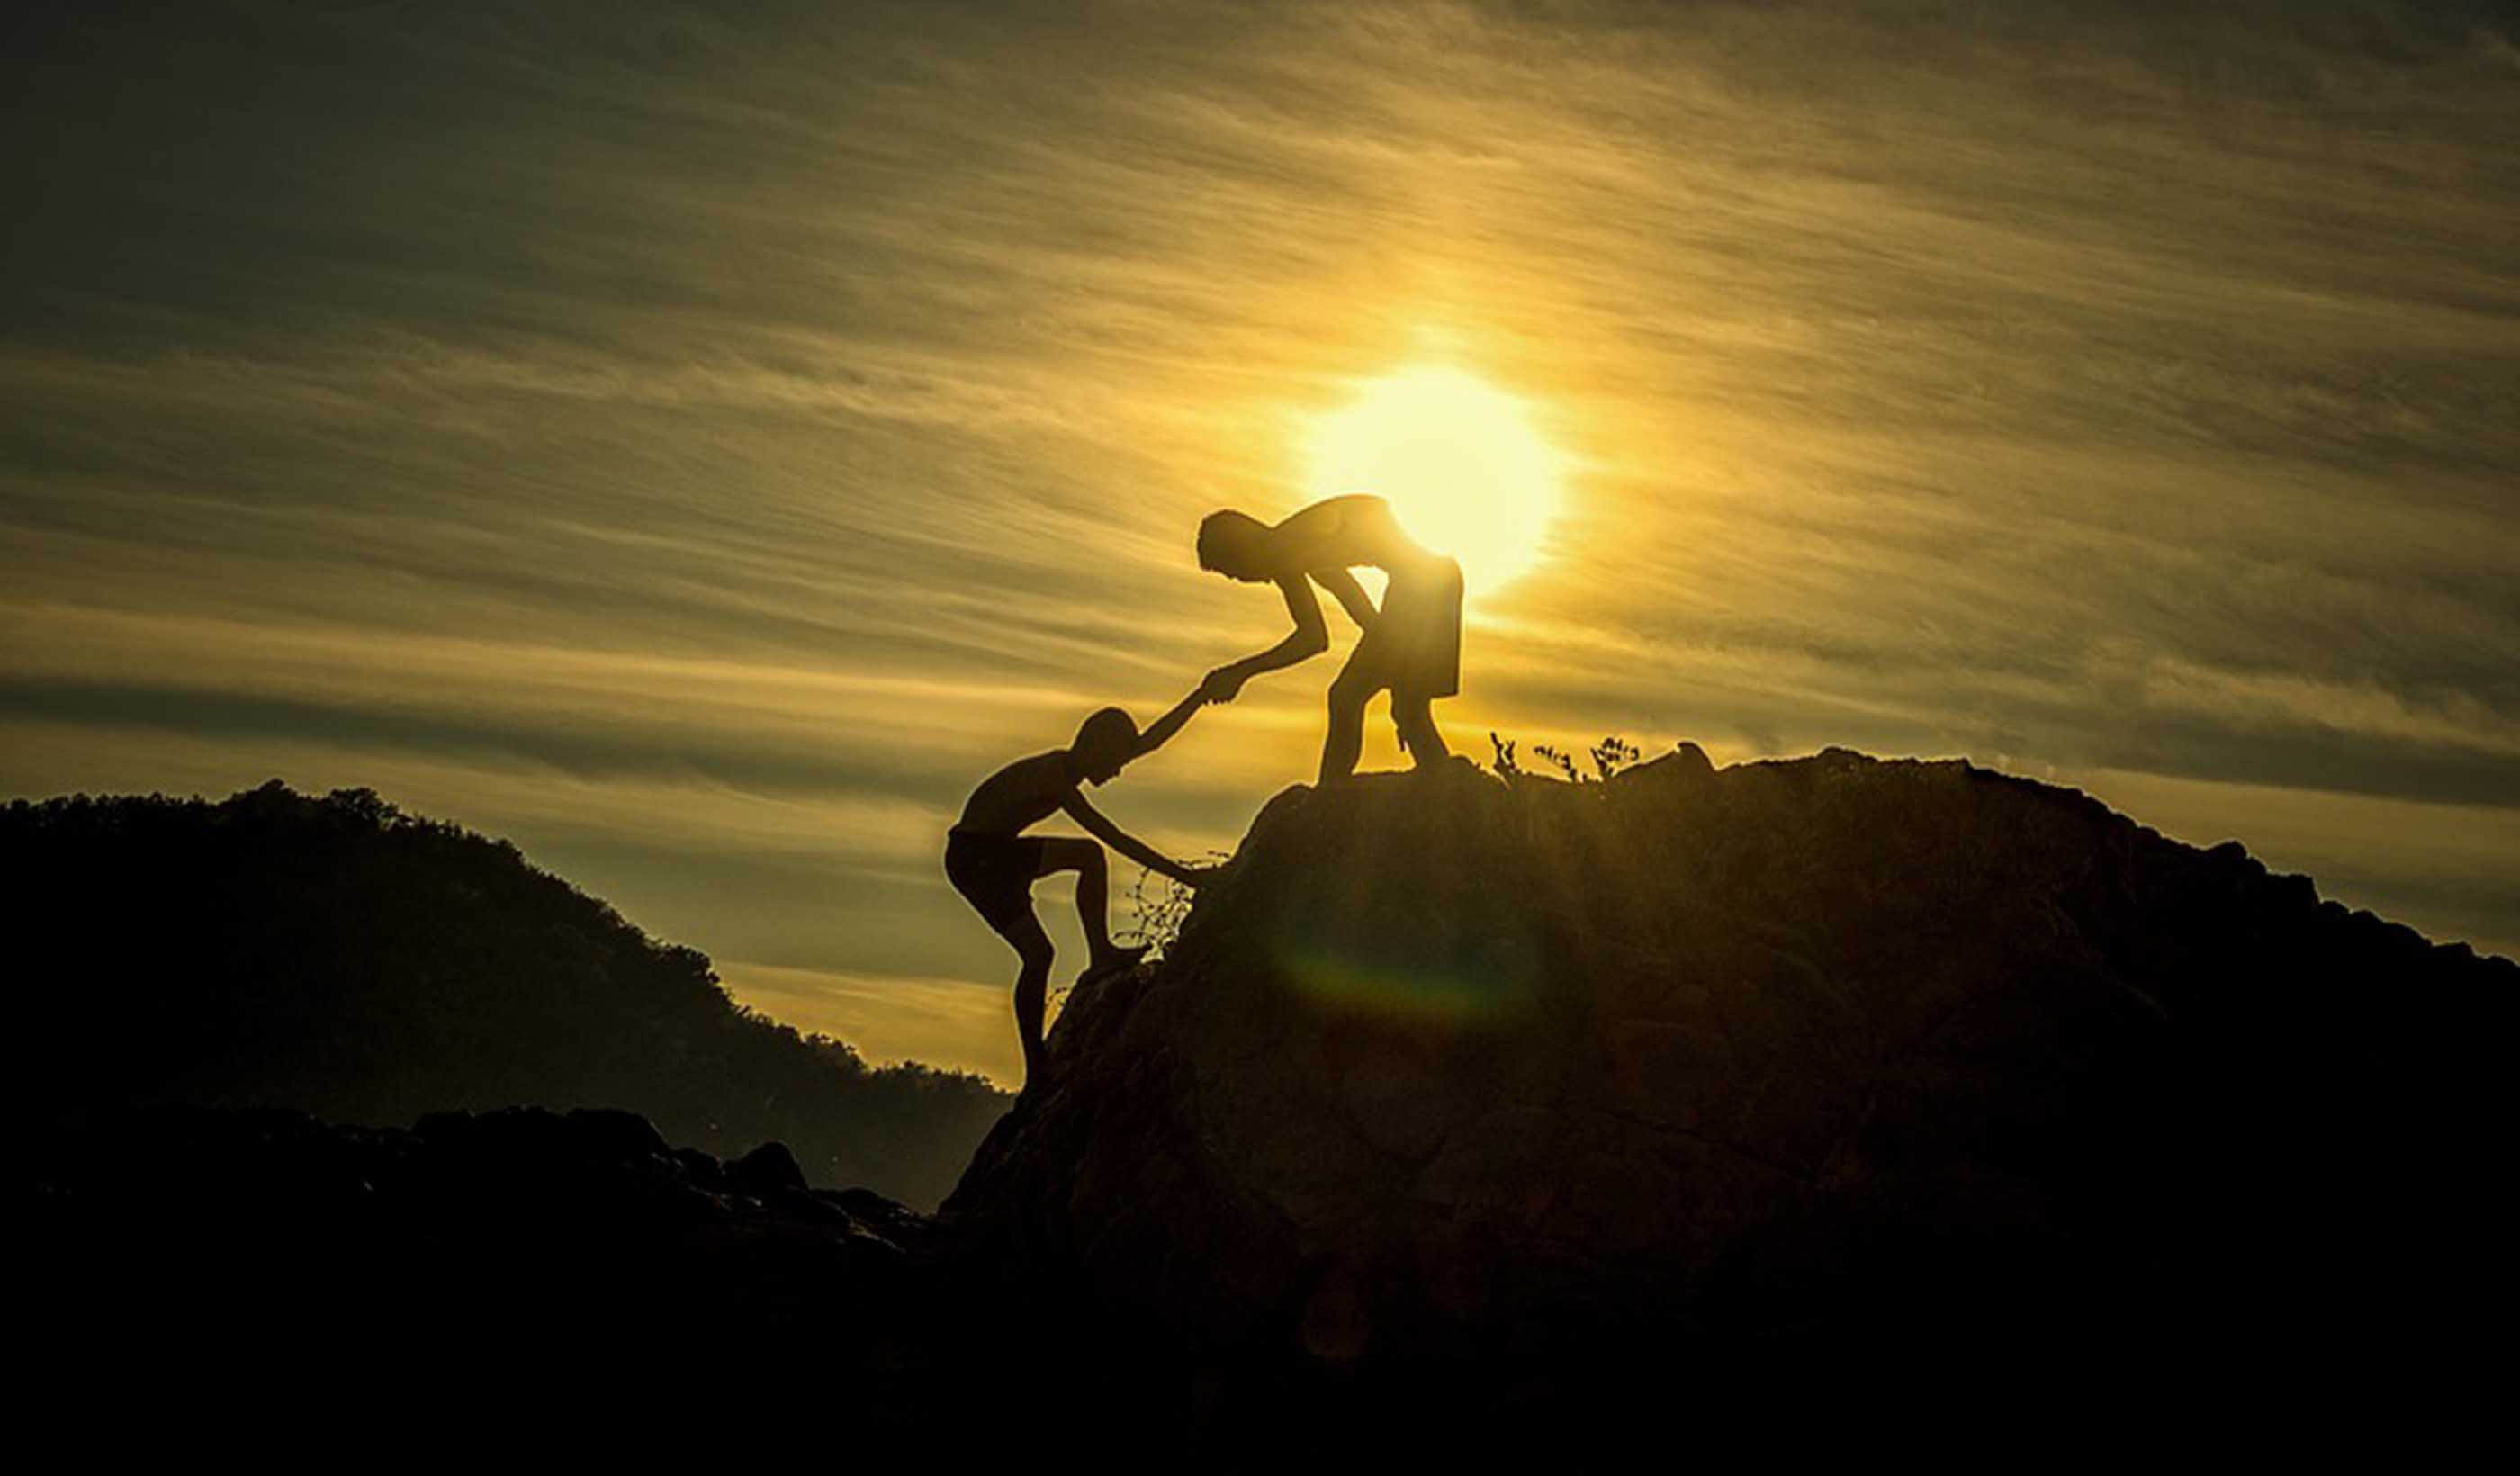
x: 1223, y: 685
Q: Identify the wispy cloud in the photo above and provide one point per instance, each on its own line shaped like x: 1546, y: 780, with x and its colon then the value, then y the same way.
x: 701, y: 442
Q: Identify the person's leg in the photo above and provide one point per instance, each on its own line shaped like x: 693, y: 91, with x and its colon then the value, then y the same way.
x: 1414, y: 715
x: 1093, y: 897
x: 1345, y: 741
x: 1023, y: 931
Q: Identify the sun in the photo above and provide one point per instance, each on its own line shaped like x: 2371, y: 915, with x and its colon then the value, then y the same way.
x: 1457, y: 459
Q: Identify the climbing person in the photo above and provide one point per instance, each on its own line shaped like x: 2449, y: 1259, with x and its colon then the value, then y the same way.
x: 993, y: 864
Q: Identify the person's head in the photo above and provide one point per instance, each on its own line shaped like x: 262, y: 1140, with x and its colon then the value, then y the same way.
x: 1232, y: 543
x: 1104, y: 744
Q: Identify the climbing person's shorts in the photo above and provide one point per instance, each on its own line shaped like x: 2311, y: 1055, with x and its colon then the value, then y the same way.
x: 994, y: 873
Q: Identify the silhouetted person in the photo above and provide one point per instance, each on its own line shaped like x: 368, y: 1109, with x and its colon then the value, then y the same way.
x: 1412, y: 646
x: 993, y: 864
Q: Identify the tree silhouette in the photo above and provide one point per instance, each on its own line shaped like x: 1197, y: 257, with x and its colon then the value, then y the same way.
x: 341, y: 957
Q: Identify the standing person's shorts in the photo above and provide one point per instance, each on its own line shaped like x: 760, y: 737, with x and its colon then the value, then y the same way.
x: 994, y: 874
x: 1415, y: 648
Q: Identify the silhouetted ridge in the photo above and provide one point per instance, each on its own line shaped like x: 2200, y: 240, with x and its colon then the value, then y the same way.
x: 341, y: 957
x: 1457, y: 1089
x: 1465, y: 1118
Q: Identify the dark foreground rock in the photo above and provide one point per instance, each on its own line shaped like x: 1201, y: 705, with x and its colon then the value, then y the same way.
x: 1458, y: 1094
x: 261, y: 1230
x: 567, y: 1273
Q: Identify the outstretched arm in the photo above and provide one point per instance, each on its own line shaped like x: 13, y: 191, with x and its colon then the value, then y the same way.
x: 1309, y: 639
x: 1163, y: 728
x: 1101, y: 829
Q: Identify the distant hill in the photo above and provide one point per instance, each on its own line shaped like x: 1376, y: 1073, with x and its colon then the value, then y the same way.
x: 337, y: 955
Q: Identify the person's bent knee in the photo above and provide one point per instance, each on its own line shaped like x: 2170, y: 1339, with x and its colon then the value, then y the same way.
x: 1350, y: 695
x: 1035, y: 949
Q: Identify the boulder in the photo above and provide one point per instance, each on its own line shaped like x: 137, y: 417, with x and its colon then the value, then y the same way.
x: 1450, y: 1078
x: 766, y: 1171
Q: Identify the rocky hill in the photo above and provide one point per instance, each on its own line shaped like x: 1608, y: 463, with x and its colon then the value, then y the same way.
x: 1520, y: 1093
x: 338, y: 956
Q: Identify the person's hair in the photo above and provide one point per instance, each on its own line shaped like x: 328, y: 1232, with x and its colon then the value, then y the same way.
x: 1222, y: 534
x: 1109, y: 728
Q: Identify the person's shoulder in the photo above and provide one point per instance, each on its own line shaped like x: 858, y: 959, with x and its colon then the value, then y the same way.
x: 1347, y: 507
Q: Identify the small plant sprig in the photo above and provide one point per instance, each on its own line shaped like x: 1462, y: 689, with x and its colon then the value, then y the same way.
x: 1506, y: 768
x: 1162, y: 906
x: 1560, y: 762
x: 1610, y: 756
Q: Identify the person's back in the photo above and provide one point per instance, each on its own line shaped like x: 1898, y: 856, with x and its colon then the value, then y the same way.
x: 1018, y: 796
x: 1356, y: 529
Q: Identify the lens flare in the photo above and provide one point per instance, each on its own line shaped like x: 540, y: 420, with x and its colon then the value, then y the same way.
x: 1427, y: 995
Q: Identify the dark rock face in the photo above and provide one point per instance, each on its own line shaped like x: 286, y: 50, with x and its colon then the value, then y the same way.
x: 1468, y: 1086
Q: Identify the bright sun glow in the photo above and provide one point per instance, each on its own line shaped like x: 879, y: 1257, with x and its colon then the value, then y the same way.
x: 1457, y: 459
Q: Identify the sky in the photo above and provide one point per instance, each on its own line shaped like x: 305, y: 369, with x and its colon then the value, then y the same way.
x: 697, y: 442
